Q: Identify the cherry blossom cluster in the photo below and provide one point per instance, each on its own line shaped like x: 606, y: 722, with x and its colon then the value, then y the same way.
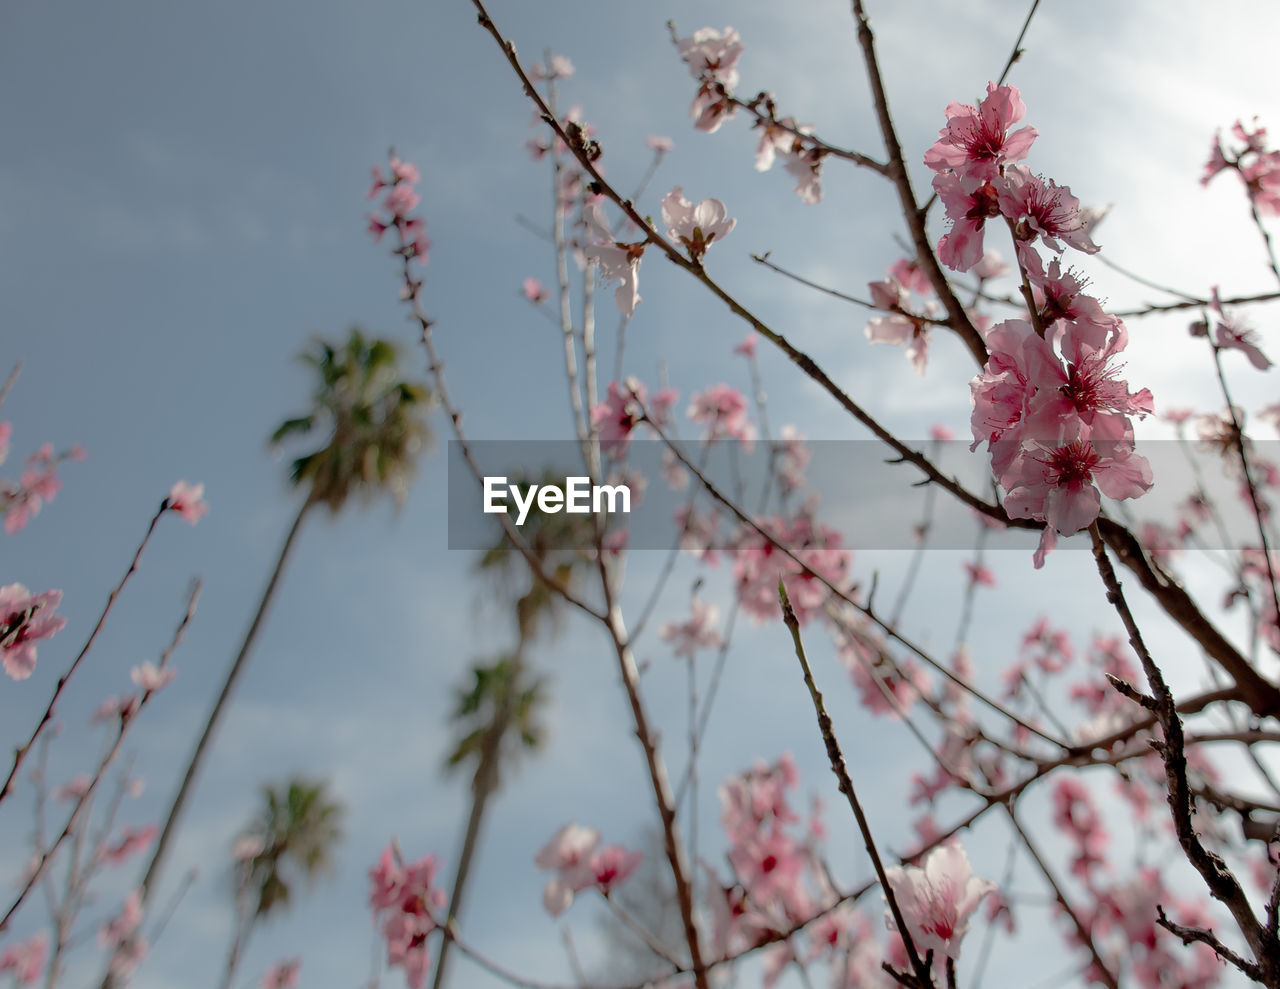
x: 579, y: 863
x: 712, y: 58
x: 885, y: 686
x: 699, y: 632
x: 907, y: 322
x: 779, y: 883
x: 694, y: 226
x: 25, y: 959
x: 1258, y: 167
x: 400, y: 201
x: 976, y: 180
x: 406, y: 900
x: 38, y: 483
x: 816, y: 551
x: 624, y: 408
x: 1050, y: 403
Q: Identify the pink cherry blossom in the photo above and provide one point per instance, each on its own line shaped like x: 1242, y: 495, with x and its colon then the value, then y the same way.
x: 25, y: 619
x: 712, y: 57
x: 1060, y: 295
x: 397, y: 204
x: 569, y: 854
x: 969, y: 203
x: 282, y: 975
x: 123, y: 924
x: 1076, y: 814
x: 792, y: 455
x: 979, y: 575
x: 884, y: 686
x: 26, y: 959
x: 1000, y: 395
x: 911, y: 276
x: 992, y: 265
x: 899, y: 329
x: 805, y: 166
x: 405, y: 898
x: 131, y: 841
x: 938, y: 900
x: 6, y: 433
x: 619, y: 414
x: 613, y: 865
x: 618, y: 262
x: 696, y: 227
x: 699, y: 632
x: 74, y: 789
x: 1042, y: 208
x: 1231, y: 334
x: 759, y: 563
x: 1257, y: 167
x: 659, y: 145
x: 747, y: 348
x: 112, y: 708
x: 188, y: 501
x: 723, y: 411
x: 1057, y: 484
x: 152, y: 678
x: 976, y: 142
x: 535, y: 291
x: 1084, y: 385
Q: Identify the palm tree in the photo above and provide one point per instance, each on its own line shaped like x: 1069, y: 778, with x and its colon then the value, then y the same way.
x: 477, y: 709
x: 504, y: 698
x: 372, y: 425
x: 292, y: 838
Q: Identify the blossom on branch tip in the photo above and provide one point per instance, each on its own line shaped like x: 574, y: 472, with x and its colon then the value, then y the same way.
x: 976, y: 142
x: 938, y: 900
x: 535, y: 291
x: 618, y: 262
x: 696, y: 227
x: 188, y: 501
x: 620, y: 413
x: 405, y: 899
x: 712, y: 58
x: 1231, y: 334
x: 152, y: 678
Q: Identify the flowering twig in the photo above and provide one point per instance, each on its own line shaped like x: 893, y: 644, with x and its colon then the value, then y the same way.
x: 84, y: 799
x: 836, y: 757
x: 21, y: 752
x: 1223, y: 886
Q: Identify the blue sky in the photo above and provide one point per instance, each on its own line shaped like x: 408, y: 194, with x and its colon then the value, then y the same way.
x: 182, y: 209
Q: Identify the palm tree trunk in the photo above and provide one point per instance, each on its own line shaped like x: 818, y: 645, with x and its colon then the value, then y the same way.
x: 483, y: 787
x: 244, y: 927
x: 197, y: 756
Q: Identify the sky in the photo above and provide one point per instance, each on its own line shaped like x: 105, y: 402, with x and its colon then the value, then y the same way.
x: 182, y: 209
